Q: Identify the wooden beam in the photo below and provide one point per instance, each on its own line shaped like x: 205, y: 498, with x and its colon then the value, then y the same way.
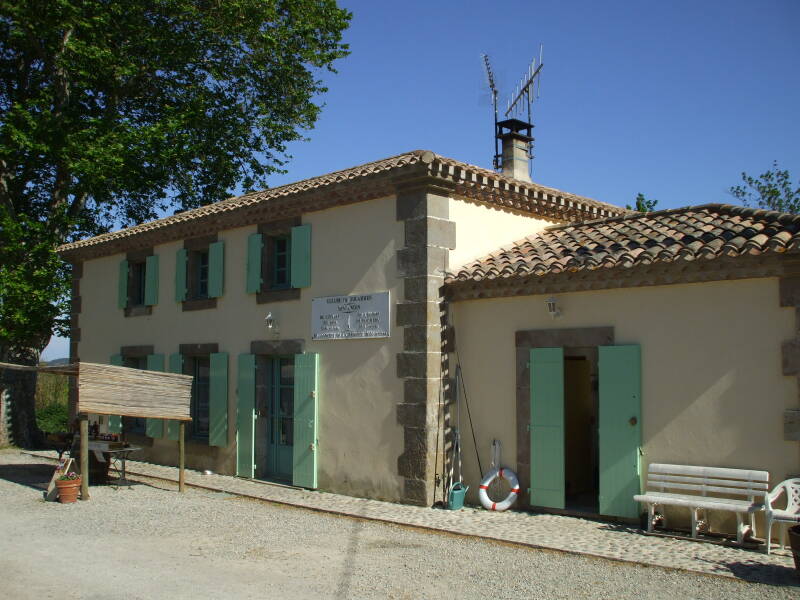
x: 84, y: 456
x: 182, y: 456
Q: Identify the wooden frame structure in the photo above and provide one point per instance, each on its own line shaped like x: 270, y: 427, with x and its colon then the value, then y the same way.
x: 113, y: 390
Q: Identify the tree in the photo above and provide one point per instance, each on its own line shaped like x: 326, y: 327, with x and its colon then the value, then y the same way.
x: 112, y: 111
x: 643, y: 204
x: 771, y: 190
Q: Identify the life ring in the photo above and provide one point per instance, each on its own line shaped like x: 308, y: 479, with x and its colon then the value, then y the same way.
x: 509, y: 476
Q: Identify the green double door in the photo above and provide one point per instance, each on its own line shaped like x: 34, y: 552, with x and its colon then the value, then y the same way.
x: 619, y: 429
x: 277, y: 418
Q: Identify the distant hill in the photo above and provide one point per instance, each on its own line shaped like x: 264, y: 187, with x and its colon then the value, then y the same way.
x: 55, y: 362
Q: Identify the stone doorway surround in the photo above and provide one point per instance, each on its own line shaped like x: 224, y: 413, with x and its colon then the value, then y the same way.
x: 524, y: 341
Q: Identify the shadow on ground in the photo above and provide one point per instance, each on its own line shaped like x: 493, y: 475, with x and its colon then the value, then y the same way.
x: 35, y: 476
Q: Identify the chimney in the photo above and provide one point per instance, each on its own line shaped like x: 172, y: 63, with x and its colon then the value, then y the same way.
x: 516, y: 139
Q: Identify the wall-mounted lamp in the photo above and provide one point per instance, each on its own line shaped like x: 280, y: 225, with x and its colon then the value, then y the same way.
x: 270, y: 322
x: 552, y: 308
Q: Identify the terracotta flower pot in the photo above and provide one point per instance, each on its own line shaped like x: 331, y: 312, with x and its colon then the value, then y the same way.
x: 68, y: 490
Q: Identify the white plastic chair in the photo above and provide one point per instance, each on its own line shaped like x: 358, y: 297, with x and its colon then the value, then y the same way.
x: 790, y: 514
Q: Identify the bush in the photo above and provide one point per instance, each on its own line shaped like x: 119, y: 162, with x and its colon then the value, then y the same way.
x: 52, y: 402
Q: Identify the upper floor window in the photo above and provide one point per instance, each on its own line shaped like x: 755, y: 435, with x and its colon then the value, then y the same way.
x: 137, y: 289
x: 279, y: 260
x: 280, y: 276
x: 200, y: 272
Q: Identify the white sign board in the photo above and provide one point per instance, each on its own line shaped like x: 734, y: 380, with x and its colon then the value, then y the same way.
x: 350, y: 317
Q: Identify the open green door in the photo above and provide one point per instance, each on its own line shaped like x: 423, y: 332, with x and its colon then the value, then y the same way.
x: 620, y: 429
x: 547, y: 427
x: 306, y: 402
x: 246, y: 416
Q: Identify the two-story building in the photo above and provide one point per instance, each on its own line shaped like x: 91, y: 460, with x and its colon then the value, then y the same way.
x: 323, y: 321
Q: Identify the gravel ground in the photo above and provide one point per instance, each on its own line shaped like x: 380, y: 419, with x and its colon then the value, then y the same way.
x: 148, y: 542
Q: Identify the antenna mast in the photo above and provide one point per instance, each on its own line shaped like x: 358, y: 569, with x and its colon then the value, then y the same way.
x: 524, y: 94
x: 490, y: 79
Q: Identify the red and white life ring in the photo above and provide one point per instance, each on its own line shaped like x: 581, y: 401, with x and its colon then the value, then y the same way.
x: 509, y: 476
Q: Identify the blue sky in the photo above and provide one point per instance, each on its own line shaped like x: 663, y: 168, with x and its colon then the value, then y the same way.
x: 671, y: 99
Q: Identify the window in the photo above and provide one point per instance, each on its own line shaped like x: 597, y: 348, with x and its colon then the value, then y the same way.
x: 138, y: 283
x: 280, y: 277
x: 279, y: 260
x: 201, y: 387
x: 200, y: 272
x: 134, y: 424
x: 199, y: 260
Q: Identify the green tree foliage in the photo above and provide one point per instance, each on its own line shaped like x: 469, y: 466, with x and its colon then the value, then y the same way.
x: 642, y: 204
x: 111, y: 111
x: 772, y: 190
x: 52, y: 410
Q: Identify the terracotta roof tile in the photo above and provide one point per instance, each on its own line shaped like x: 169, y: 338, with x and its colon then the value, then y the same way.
x: 686, y: 234
x: 469, y: 181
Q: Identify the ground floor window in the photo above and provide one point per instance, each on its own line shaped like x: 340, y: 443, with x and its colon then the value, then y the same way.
x: 135, y: 425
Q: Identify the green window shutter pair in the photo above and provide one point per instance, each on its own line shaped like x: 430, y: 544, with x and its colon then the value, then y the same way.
x: 175, y: 366
x: 155, y: 427
x: 619, y: 375
x: 300, y: 261
x: 150, y: 285
x: 216, y: 272
x: 115, y: 421
x: 218, y: 400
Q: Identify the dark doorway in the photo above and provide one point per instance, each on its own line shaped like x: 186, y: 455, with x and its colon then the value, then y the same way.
x: 581, y: 430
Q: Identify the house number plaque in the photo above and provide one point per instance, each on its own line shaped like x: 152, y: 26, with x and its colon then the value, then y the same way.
x: 350, y: 317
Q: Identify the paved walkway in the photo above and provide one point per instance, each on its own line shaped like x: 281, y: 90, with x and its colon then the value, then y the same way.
x: 553, y: 532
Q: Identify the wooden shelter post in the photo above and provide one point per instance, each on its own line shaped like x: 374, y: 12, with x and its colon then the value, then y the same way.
x: 84, y: 431
x: 182, y: 453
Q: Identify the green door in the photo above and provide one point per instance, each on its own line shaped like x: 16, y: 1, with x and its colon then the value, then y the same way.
x: 306, y: 405
x: 620, y: 429
x: 274, y: 423
x: 547, y: 427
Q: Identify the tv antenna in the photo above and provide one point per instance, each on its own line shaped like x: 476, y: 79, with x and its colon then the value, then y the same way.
x: 493, y: 88
x: 524, y: 93
x: 519, y: 104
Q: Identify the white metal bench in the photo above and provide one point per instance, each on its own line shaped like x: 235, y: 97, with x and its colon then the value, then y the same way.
x: 705, y: 488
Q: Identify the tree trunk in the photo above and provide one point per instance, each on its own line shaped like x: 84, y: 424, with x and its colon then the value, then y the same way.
x: 18, y: 399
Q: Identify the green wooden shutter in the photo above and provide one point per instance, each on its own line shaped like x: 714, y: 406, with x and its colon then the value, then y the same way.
x: 181, y: 261
x: 155, y: 427
x: 115, y: 421
x: 255, y: 245
x: 216, y: 269
x: 301, y: 256
x: 175, y: 366
x: 122, y: 285
x: 151, y: 281
x: 620, y: 429
x: 305, y: 452
x: 246, y: 416
x: 547, y: 427
x: 218, y: 400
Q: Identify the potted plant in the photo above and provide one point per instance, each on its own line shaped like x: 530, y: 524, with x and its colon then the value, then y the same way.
x: 68, y: 486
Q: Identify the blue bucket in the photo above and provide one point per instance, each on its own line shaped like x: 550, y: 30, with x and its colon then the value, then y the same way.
x: 455, y: 497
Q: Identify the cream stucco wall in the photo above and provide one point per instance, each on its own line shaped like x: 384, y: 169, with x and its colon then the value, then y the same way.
x: 353, y: 251
x: 712, y: 389
x: 482, y: 229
